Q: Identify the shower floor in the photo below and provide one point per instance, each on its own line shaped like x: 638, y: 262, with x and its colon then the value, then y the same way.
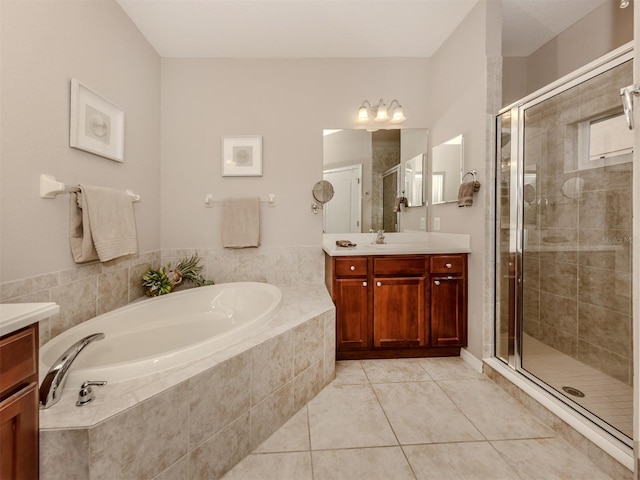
x: 604, y: 396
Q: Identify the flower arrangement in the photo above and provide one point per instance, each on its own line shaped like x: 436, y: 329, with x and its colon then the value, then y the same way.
x: 164, y: 280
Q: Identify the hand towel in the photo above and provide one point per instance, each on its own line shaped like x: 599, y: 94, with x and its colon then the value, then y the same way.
x: 107, y: 223
x: 465, y: 193
x: 241, y: 222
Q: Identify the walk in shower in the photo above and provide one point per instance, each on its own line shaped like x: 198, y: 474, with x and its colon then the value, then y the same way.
x: 563, y: 242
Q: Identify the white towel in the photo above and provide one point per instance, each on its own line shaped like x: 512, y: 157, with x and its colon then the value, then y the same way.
x: 241, y: 222
x: 102, y: 225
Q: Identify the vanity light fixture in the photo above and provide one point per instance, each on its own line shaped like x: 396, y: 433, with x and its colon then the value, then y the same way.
x: 380, y: 112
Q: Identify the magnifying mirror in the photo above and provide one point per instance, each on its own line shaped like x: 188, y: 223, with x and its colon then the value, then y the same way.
x: 322, y: 192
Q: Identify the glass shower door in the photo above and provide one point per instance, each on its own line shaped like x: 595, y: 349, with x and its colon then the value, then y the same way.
x: 563, y: 257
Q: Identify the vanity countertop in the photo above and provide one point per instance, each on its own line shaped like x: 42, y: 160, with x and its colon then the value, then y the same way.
x: 397, y: 243
x: 14, y: 316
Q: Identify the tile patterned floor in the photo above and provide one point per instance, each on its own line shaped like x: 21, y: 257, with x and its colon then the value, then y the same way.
x: 414, y: 419
x: 608, y: 398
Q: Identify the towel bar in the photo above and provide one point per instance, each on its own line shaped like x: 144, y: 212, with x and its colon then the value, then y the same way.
x: 50, y: 187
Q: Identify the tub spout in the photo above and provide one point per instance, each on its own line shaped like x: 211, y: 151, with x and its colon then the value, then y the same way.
x: 51, y: 388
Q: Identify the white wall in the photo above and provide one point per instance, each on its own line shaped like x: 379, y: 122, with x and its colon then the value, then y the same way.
x: 460, y: 89
x: 289, y: 103
x: 412, y: 143
x: 44, y: 45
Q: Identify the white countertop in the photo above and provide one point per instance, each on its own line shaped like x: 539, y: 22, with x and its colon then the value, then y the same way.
x: 14, y: 316
x: 397, y: 243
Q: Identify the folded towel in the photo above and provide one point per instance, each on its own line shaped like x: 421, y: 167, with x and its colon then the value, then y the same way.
x: 102, y: 225
x: 241, y: 222
x: 465, y: 193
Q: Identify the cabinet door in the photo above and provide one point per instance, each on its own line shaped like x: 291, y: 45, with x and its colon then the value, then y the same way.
x: 448, y: 311
x: 352, y: 314
x: 398, y: 312
x: 19, y: 435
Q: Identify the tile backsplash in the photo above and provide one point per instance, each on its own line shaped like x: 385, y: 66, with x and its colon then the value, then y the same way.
x: 89, y: 290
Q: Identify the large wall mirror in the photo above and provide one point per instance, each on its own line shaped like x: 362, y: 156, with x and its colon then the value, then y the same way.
x: 377, y: 179
x: 447, y: 164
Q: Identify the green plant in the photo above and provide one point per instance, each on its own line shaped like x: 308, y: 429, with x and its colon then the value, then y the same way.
x: 164, y: 280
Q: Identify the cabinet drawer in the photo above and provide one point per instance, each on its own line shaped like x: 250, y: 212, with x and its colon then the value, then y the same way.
x: 447, y: 264
x: 351, y: 267
x: 17, y: 358
x: 405, y: 266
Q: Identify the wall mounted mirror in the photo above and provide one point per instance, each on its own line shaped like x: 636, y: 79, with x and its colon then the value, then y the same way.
x: 447, y: 165
x: 413, y: 183
x: 370, y: 174
x: 322, y: 192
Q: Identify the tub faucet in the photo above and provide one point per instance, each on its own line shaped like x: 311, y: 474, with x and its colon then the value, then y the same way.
x: 380, y: 237
x: 51, y: 388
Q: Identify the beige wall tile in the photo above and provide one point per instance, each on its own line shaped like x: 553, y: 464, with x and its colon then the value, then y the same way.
x: 64, y: 454
x: 271, y: 414
x: 271, y: 365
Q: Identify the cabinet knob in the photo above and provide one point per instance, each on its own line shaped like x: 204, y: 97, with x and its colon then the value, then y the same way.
x: 379, y: 284
x: 448, y: 265
x: 353, y: 267
x: 364, y: 284
x: 437, y: 282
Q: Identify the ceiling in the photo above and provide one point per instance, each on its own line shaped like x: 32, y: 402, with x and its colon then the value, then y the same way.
x: 336, y: 28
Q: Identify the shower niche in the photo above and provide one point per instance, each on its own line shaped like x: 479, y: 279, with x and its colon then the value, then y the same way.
x: 563, y: 242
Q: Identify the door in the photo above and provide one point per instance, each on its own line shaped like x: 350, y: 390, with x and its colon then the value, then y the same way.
x: 343, y: 213
x: 447, y: 314
x: 352, y: 314
x: 398, y: 312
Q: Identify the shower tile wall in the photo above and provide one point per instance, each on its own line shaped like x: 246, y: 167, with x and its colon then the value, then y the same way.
x: 577, y: 259
x: 89, y: 290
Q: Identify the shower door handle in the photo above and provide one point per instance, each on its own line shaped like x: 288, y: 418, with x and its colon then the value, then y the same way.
x: 627, y: 94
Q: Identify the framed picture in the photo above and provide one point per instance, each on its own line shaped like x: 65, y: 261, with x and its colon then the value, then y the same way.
x: 97, y: 125
x: 242, y: 156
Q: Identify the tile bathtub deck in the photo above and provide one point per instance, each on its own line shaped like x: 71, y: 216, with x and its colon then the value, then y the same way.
x: 414, y: 419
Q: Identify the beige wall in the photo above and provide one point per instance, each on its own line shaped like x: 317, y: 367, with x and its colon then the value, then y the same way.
x: 462, y: 92
x: 289, y: 103
x: 603, y: 30
x: 44, y: 45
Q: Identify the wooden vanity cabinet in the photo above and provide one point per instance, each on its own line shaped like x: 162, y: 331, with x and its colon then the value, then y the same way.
x: 448, y: 300
x: 19, y: 404
x: 398, y: 305
x: 398, y: 302
x: 351, y: 296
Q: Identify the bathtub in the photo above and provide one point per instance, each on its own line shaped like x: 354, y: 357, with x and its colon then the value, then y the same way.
x: 160, y: 333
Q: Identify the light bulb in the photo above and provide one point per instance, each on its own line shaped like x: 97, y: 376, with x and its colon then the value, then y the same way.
x: 363, y: 114
x: 398, y: 116
x: 382, y: 116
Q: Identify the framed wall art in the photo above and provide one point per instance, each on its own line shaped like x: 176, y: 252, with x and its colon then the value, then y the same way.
x: 97, y: 125
x: 242, y: 156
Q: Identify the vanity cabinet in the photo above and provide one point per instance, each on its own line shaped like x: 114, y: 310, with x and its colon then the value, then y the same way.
x: 19, y: 404
x: 398, y: 305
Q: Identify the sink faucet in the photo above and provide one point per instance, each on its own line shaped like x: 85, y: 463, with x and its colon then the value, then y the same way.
x: 380, y: 237
x: 51, y: 388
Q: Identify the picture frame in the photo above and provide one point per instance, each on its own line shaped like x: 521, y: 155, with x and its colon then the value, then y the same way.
x: 96, y: 124
x: 242, y: 156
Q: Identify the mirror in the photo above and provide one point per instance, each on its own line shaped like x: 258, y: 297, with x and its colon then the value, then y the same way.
x: 323, y: 191
x: 370, y: 174
x: 413, y: 185
x: 447, y: 164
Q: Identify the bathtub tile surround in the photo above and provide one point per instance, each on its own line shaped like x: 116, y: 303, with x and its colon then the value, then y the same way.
x: 204, y: 417
x: 93, y: 289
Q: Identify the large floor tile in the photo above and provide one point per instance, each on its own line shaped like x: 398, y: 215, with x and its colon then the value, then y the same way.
x: 548, y: 458
x: 381, y: 463
x: 458, y: 461
x: 420, y: 412
x: 348, y: 416
x: 395, y: 370
x: 281, y: 466
x: 493, y: 411
x: 350, y: 372
x: 293, y: 436
x: 448, y: 368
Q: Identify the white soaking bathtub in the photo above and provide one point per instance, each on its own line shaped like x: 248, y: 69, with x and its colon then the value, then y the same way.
x: 153, y: 335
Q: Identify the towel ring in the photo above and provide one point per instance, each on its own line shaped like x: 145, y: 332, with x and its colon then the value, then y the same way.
x: 470, y: 172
